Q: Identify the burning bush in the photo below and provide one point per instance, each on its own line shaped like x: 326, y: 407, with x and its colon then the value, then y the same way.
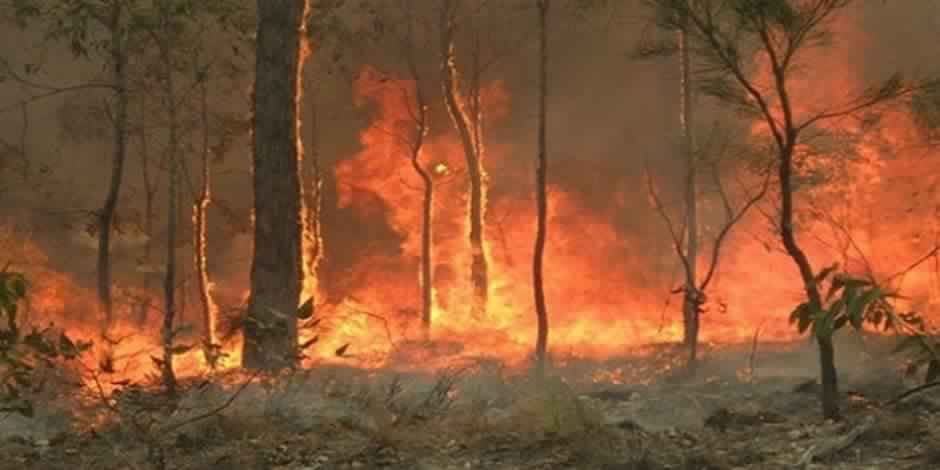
x: 24, y: 357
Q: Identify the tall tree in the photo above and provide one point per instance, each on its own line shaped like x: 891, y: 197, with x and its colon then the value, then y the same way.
x: 270, y: 327
x: 541, y: 179
x: 467, y: 115
x: 163, y: 37
x: 201, y: 222
x: 418, y: 112
x: 692, y: 297
x: 723, y: 35
x: 116, y: 24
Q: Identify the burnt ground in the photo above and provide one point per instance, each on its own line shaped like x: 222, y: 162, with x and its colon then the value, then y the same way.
x: 740, y: 411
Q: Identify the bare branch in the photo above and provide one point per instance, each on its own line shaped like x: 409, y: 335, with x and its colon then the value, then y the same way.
x: 661, y: 210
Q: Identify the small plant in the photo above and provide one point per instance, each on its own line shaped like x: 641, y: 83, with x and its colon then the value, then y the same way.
x: 23, y: 354
x: 855, y: 301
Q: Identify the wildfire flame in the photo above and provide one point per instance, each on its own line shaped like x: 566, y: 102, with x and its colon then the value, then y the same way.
x: 605, y: 288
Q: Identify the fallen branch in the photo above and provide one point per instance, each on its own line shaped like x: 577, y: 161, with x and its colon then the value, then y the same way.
x: 908, y: 393
x: 837, y: 444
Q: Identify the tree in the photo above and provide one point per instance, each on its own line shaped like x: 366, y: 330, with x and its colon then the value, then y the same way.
x: 692, y: 297
x: 779, y: 32
x: 541, y: 177
x: 695, y: 287
x: 467, y: 115
x: 270, y: 327
x: 419, y: 115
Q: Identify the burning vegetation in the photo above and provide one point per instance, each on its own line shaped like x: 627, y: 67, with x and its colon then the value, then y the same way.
x: 448, y: 254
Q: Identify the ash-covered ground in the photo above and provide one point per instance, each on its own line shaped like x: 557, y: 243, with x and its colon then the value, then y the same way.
x: 745, y: 408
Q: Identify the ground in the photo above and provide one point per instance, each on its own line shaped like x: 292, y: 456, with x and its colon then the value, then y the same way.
x: 742, y: 410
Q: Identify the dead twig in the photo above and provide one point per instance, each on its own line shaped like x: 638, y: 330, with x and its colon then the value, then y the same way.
x: 911, y: 392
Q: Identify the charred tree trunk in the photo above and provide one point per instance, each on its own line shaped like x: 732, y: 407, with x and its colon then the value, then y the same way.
x: 169, y: 283
x: 200, y: 234
x: 427, y: 203
x: 691, y: 304
x: 118, y: 157
x: 420, y: 117
x: 541, y: 177
x: 468, y: 124
x: 314, y: 200
x: 270, y: 326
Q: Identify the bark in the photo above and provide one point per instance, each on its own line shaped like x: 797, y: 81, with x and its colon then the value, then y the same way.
x: 691, y: 305
x: 314, y: 232
x: 469, y: 126
x: 270, y: 327
x: 830, y: 386
x: 427, y: 203
x: 200, y: 234
x: 118, y: 53
x: 541, y: 176
x: 169, y: 283
x: 426, y: 263
x: 786, y: 142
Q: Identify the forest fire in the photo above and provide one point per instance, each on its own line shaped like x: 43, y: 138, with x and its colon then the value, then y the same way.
x: 469, y: 234
x: 608, y: 290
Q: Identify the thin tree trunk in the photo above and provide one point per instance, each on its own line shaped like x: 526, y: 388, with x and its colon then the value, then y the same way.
x: 313, y: 231
x: 119, y: 156
x: 830, y: 386
x: 277, y: 269
x: 169, y: 282
x: 427, y: 203
x: 691, y: 301
x: 150, y: 190
x: 541, y: 177
x: 468, y: 126
x: 200, y: 235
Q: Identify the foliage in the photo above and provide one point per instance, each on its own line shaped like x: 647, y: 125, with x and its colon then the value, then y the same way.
x: 22, y: 354
x: 857, y: 301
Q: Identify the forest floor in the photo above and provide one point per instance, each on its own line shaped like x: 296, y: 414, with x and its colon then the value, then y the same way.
x: 741, y: 411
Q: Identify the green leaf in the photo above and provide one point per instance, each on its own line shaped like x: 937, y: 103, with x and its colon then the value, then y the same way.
x: 838, y: 283
x: 836, y: 308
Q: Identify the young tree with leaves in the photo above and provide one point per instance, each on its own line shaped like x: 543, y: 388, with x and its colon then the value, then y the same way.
x: 724, y: 35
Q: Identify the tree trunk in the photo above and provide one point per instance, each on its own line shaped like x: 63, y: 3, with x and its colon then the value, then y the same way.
x: 200, y: 235
x: 541, y: 176
x: 313, y: 229
x: 468, y: 125
x: 169, y: 283
x: 150, y: 191
x: 118, y: 157
x: 830, y: 386
x: 691, y: 306
x: 270, y: 327
x: 427, y: 203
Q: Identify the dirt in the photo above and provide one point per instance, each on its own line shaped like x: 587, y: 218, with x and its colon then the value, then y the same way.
x: 761, y: 416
